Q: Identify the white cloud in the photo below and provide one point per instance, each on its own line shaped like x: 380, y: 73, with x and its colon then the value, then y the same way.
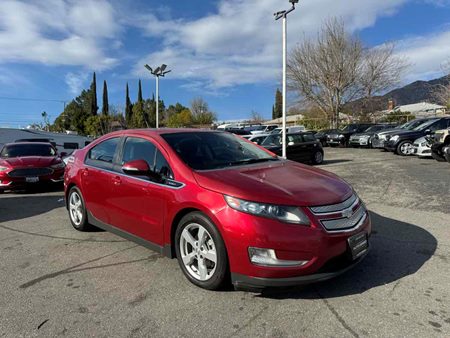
x: 241, y: 43
x: 76, y: 81
x: 426, y: 55
x: 56, y: 32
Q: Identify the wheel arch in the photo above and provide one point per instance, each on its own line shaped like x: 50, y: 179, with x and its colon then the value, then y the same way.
x: 174, y: 224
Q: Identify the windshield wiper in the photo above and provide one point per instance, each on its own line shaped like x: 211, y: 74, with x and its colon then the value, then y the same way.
x: 253, y: 160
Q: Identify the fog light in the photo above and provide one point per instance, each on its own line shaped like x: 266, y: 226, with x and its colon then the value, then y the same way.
x: 267, y: 257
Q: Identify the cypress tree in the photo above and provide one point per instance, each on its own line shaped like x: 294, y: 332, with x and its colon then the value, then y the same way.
x: 140, y: 92
x: 278, y: 108
x: 105, y: 107
x: 93, y: 89
x: 128, y: 107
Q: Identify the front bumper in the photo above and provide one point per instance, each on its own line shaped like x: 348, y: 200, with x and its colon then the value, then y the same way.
x: 421, y: 151
x: 342, y: 265
x: 326, y: 252
x: 378, y: 143
x: 14, y: 183
x: 335, y: 140
x: 391, y: 145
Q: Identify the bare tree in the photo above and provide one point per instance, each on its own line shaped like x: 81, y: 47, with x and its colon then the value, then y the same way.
x: 200, y: 112
x: 326, y: 72
x: 442, y: 91
x: 256, y: 117
x: 336, y: 68
x: 381, y: 70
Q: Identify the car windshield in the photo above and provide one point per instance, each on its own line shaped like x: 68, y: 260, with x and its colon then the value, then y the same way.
x: 215, y: 150
x: 22, y: 150
x: 424, y: 125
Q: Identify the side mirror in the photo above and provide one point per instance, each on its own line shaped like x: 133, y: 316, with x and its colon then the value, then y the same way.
x: 428, y: 132
x: 140, y: 168
x: 136, y: 167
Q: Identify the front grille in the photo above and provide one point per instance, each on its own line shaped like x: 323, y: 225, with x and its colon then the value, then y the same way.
x: 346, y: 223
x: 341, y: 216
x: 30, y: 172
x: 335, y: 207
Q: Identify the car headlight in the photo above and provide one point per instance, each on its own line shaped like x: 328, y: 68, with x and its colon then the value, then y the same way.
x: 341, y: 136
x: 394, y: 138
x: 58, y: 165
x: 3, y: 169
x: 285, y: 214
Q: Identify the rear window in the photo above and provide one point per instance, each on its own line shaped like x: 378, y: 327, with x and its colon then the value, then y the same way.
x: 22, y: 150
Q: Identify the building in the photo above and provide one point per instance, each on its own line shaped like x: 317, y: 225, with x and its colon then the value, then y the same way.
x: 63, y: 142
x: 422, y: 109
x: 290, y: 120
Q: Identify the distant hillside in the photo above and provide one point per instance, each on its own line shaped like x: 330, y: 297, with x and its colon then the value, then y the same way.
x: 414, y: 92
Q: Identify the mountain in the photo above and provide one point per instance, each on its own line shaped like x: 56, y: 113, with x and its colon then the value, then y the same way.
x: 415, y: 92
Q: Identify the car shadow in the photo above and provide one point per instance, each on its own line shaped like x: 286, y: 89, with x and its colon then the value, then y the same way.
x: 398, y: 249
x: 328, y: 162
x: 21, y: 206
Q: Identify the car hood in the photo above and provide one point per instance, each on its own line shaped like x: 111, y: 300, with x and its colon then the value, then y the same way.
x: 35, y: 161
x: 408, y: 133
x: 390, y: 131
x: 283, y: 183
x: 363, y: 134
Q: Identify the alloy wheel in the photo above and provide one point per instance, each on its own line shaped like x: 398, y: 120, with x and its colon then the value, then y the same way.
x: 198, y: 252
x: 406, y: 148
x: 76, y: 208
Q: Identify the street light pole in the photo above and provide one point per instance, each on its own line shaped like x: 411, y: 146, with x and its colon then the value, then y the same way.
x: 283, y: 15
x: 159, y: 71
x: 157, y: 102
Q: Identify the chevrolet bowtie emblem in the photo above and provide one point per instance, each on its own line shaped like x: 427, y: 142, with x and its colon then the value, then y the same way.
x: 347, y: 213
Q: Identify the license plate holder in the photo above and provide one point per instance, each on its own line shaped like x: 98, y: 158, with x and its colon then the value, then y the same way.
x: 358, y: 245
x: 31, y: 179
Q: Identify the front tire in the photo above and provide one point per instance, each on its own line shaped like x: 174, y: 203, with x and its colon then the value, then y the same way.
x: 201, y: 251
x: 404, y: 148
x: 77, y: 210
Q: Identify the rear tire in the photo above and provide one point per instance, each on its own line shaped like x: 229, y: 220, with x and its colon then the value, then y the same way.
x: 201, y: 251
x: 77, y: 210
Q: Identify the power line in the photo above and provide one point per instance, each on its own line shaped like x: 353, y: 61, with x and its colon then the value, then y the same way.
x: 31, y: 99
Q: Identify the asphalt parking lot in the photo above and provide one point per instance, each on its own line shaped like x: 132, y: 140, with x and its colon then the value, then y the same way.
x: 57, y: 281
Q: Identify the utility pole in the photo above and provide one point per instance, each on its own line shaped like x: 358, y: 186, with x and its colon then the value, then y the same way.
x: 283, y: 15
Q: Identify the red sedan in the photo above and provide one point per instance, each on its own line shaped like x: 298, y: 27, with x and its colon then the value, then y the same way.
x: 27, y: 163
x: 223, y: 206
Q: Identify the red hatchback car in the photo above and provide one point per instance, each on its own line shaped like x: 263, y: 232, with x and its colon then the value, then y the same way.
x: 27, y: 163
x: 223, y: 206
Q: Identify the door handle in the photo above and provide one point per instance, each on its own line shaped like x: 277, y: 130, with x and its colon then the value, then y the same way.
x: 116, y: 180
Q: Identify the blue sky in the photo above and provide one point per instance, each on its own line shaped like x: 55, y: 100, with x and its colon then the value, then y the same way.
x: 227, y: 52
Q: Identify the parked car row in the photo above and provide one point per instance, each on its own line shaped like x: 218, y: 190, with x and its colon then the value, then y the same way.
x: 426, y: 137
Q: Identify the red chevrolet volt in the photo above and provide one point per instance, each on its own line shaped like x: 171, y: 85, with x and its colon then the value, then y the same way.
x: 26, y: 163
x: 224, y: 207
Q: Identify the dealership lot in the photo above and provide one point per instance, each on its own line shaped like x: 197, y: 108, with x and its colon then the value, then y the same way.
x: 56, y: 281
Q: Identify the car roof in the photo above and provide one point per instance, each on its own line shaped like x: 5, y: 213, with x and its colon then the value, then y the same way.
x: 27, y: 143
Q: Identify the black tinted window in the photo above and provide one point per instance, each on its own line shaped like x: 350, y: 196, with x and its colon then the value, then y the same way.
x: 161, y: 163
x: 104, y: 151
x: 70, y: 145
x: 442, y: 124
x: 139, y: 149
x: 309, y: 137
